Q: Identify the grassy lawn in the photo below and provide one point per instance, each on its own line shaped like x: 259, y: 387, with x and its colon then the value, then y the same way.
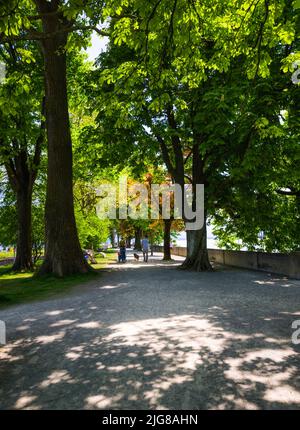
x: 16, y: 288
x: 6, y: 254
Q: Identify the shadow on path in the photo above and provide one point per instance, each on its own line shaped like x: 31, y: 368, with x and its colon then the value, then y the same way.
x: 155, y: 337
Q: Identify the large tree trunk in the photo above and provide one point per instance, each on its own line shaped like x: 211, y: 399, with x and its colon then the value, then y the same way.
x: 22, y: 172
x: 63, y: 254
x: 151, y: 246
x: 197, y: 254
x: 137, y: 239
x: 112, y: 238
x: 23, y: 260
x: 167, y: 239
x: 21, y: 179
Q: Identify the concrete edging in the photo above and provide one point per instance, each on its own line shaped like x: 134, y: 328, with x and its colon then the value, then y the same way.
x: 281, y: 264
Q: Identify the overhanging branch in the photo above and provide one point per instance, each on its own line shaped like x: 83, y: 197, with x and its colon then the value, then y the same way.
x: 36, y: 35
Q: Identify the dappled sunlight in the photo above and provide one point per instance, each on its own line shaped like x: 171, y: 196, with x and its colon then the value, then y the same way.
x: 113, y: 287
x: 11, y: 276
x: 159, y: 362
x: 54, y: 313
x: 22, y: 327
x: 150, y: 265
x: 274, y: 341
x: 283, y: 282
x: 184, y: 343
x: 75, y: 353
x: 24, y: 401
x: 58, y: 312
x: 90, y: 325
x: 126, y: 344
x: 186, y: 331
x: 8, y: 352
x: 101, y: 402
x: 51, y: 338
x: 282, y: 393
x: 57, y: 377
x: 63, y: 323
x: 257, y: 366
x: 238, y: 403
x: 153, y: 262
x: 295, y: 314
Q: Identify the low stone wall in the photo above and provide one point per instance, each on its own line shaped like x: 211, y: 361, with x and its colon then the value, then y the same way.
x: 282, y: 264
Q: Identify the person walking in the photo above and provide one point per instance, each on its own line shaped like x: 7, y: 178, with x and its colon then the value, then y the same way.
x: 122, y: 252
x: 145, y: 248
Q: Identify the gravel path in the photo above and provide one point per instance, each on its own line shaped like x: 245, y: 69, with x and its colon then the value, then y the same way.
x: 152, y: 337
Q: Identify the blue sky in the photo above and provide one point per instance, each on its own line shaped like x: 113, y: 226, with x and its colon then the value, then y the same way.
x: 98, y: 45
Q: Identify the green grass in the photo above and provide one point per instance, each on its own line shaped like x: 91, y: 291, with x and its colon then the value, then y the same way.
x: 5, y: 254
x: 17, y: 288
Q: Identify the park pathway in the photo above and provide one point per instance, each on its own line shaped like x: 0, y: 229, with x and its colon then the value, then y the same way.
x: 152, y: 337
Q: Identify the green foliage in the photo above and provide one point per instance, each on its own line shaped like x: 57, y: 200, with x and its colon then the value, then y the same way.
x: 219, y: 68
x: 222, y: 68
x: 8, y: 228
x: 92, y: 231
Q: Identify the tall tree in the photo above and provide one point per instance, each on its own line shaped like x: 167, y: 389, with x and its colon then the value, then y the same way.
x: 50, y: 23
x: 174, y: 85
x: 22, y: 138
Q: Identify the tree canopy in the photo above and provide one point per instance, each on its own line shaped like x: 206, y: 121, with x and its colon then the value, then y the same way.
x: 200, y: 92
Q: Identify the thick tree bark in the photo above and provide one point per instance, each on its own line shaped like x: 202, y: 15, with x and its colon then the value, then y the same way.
x: 137, y: 239
x: 63, y: 254
x: 197, y: 254
x: 22, y: 173
x: 21, y: 180
x: 167, y: 239
x: 151, y: 247
x: 23, y: 260
x: 112, y: 238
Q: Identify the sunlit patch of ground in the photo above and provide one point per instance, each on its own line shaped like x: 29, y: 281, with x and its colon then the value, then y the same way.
x: 153, y: 337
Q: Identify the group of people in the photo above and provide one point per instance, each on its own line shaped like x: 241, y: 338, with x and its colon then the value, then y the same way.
x: 145, y: 250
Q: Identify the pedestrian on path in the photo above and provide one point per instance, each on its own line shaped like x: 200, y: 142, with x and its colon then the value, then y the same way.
x: 122, y: 253
x: 145, y: 248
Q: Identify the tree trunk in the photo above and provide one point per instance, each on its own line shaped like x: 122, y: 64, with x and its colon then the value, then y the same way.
x: 197, y: 254
x: 23, y: 260
x: 167, y: 239
x: 112, y: 238
x: 137, y: 239
x: 63, y: 254
x: 21, y: 180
